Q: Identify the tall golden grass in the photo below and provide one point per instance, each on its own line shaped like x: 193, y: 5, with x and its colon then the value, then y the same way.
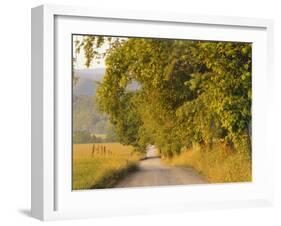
x: 220, y: 164
x: 101, y: 169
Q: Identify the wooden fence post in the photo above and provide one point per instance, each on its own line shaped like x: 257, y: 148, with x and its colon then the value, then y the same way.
x: 93, y: 150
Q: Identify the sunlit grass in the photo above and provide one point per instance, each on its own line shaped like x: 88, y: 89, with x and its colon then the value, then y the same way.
x: 101, y: 169
x: 219, y: 164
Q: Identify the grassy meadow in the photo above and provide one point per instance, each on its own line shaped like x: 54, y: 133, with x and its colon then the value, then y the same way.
x: 103, y: 165
x: 220, y: 164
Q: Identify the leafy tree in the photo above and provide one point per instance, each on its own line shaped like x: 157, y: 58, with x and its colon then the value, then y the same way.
x: 189, y: 92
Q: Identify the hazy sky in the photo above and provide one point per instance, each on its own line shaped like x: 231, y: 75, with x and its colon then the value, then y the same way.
x: 80, y: 63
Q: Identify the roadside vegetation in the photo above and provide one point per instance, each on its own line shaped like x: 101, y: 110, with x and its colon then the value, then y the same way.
x: 220, y: 164
x: 102, y: 165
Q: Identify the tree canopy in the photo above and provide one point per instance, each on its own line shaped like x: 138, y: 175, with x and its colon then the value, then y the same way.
x: 188, y: 92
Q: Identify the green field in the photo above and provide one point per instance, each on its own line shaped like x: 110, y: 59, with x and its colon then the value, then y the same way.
x: 103, y: 165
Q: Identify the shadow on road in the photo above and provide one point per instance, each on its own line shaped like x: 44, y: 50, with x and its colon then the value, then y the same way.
x: 151, y: 157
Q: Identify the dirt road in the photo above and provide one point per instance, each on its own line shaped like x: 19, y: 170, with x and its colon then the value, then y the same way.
x: 153, y: 172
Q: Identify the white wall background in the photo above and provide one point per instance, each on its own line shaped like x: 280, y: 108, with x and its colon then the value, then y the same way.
x: 15, y: 112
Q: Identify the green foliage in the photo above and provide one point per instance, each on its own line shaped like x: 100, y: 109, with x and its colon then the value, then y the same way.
x: 80, y: 137
x: 190, y: 92
x: 85, y: 137
x: 86, y: 117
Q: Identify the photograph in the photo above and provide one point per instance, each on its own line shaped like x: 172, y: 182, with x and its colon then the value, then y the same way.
x: 150, y: 111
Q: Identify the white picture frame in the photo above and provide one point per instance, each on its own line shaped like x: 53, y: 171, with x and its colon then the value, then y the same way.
x: 51, y: 198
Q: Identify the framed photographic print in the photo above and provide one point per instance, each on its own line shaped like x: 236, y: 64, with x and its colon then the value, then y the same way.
x: 136, y: 112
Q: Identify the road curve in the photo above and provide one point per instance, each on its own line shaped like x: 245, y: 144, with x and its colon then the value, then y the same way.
x: 153, y: 172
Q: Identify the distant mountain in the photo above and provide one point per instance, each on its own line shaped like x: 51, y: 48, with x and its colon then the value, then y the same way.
x: 87, y: 81
x: 85, y: 87
x: 86, y: 116
x: 95, y: 74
